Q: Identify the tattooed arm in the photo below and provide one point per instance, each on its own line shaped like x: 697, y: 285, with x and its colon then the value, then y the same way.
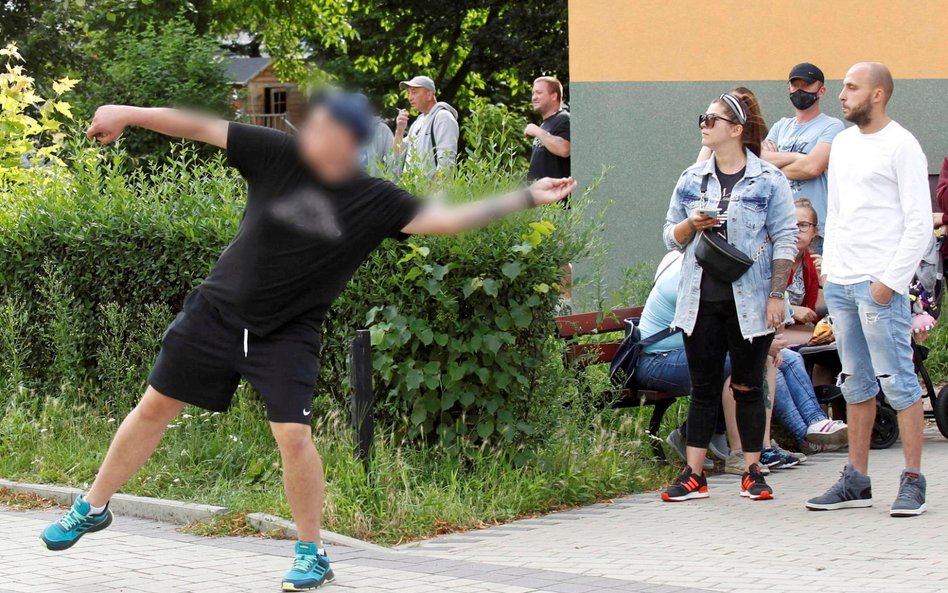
x: 776, y: 307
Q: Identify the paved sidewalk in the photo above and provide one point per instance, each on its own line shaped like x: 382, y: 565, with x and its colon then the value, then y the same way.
x: 636, y: 545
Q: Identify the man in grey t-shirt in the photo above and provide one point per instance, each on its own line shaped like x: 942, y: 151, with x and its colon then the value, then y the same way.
x: 800, y: 145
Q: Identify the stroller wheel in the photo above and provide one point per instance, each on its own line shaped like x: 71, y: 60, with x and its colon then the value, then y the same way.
x: 886, y: 430
x: 941, y: 411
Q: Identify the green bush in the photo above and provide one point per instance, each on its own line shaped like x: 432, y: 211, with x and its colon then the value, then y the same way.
x: 162, y: 65
x: 461, y: 325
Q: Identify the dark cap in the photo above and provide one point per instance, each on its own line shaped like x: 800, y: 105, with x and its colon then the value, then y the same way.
x: 352, y: 110
x: 806, y: 71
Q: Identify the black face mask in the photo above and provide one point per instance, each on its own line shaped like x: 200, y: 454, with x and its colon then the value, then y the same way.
x: 802, y: 99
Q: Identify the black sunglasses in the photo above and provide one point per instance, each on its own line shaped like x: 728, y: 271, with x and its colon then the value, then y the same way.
x: 709, y: 119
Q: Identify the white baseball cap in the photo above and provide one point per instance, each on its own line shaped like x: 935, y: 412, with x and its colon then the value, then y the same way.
x: 418, y: 82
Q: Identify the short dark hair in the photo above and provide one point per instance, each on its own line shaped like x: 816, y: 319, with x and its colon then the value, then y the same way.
x: 553, y: 85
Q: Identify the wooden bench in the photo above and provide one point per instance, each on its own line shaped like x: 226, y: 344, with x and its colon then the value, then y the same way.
x: 579, y: 355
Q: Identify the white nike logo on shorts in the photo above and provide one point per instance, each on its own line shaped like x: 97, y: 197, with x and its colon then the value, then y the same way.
x: 307, y: 412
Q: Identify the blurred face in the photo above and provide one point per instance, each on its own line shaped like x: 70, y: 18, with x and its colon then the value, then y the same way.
x: 717, y: 131
x: 328, y: 147
x: 806, y: 226
x: 543, y: 99
x: 420, y: 99
x: 857, y: 96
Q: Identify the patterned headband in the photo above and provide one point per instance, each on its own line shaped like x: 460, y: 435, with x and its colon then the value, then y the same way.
x: 735, y: 104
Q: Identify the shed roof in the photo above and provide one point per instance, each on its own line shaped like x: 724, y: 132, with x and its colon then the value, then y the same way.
x: 240, y: 70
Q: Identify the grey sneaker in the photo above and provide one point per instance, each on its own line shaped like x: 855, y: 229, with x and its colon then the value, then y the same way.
x: 676, y: 441
x: 734, y: 464
x: 719, y: 446
x: 852, y: 491
x: 911, y: 498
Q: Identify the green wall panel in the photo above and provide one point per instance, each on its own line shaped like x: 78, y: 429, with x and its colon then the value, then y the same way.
x: 646, y: 134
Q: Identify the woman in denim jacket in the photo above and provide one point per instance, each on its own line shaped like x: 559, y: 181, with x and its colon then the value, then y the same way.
x: 756, y: 215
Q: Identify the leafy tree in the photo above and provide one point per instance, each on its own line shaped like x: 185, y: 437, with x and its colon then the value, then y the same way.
x: 165, y: 64
x: 282, y: 26
x: 471, y: 48
x: 63, y: 37
x: 29, y: 124
x: 47, y: 33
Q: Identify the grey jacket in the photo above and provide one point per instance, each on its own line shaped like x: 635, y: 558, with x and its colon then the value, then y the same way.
x: 432, y: 141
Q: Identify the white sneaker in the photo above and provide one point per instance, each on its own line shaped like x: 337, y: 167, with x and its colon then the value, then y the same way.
x: 828, y: 432
x: 817, y: 448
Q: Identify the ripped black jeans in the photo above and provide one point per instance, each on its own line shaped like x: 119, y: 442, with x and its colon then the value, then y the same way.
x: 717, y: 333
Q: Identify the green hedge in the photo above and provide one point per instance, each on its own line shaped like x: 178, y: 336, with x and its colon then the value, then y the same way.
x: 95, y: 260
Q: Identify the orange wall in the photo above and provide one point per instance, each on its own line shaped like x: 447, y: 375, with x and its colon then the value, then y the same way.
x: 676, y: 40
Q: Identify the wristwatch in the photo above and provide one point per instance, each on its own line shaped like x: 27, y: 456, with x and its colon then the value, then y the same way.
x: 776, y: 295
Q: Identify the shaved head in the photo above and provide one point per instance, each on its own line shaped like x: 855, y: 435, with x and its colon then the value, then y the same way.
x: 877, y: 77
x: 867, y: 89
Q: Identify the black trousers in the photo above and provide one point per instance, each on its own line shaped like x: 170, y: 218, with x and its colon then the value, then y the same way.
x: 717, y: 333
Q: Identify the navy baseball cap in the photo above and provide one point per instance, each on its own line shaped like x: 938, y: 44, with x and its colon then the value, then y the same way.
x: 808, y: 72
x: 352, y: 110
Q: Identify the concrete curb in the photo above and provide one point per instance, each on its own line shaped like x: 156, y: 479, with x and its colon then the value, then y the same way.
x: 156, y: 509
x: 282, y: 528
x: 183, y: 513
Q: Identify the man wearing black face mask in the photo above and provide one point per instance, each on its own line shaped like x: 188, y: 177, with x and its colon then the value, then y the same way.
x: 800, y: 145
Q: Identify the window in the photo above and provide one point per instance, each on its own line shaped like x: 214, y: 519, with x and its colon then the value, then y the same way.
x: 275, y: 101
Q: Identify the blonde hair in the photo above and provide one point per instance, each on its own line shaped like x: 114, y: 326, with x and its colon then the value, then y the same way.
x: 552, y: 84
x: 808, y: 205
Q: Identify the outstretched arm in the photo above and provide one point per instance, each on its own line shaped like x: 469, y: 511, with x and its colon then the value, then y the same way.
x: 444, y: 220
x: 111, y: 120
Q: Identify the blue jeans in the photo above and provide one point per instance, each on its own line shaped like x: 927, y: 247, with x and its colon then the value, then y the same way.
x: 875, y: 345
x: 668, y: 371
x: 795, y: 403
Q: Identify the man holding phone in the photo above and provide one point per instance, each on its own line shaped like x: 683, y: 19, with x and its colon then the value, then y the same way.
x: 431, y: 144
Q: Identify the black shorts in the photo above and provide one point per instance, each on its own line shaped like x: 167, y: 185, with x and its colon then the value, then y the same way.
x: 203, y: 357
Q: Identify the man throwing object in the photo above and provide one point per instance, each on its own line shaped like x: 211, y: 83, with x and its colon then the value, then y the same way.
x: 311, y: 218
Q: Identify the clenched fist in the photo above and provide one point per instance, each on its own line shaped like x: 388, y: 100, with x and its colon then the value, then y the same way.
x: 108, y: 123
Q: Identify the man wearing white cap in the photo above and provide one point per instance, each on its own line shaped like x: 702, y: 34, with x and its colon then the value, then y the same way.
x: 432, y: 141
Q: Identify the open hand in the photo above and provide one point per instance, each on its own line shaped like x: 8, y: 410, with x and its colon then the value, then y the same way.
x: 108, y: 123
x: 549, y: 190
x: 769, y: 145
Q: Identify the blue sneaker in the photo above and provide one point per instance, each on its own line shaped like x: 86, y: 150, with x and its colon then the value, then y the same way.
x: 771, y: 459
x: 310, y: 569
x: 63, y: 534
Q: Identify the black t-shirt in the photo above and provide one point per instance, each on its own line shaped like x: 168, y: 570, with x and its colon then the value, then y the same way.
x: 300, y: 240
x: 544, y: 163
x: 711, y: 288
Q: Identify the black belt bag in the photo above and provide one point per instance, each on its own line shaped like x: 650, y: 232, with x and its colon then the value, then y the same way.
x: 718, y: 257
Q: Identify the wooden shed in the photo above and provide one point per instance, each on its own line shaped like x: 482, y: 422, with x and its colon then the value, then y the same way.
x: 262, y: 98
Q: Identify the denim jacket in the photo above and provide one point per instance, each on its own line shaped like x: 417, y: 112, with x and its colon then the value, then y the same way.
x: 761, y: 206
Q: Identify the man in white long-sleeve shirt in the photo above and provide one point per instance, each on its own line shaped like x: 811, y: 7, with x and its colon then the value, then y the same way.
x: 878, y: 228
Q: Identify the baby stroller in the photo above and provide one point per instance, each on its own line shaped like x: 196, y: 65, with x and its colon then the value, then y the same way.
x: 926, y: 295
